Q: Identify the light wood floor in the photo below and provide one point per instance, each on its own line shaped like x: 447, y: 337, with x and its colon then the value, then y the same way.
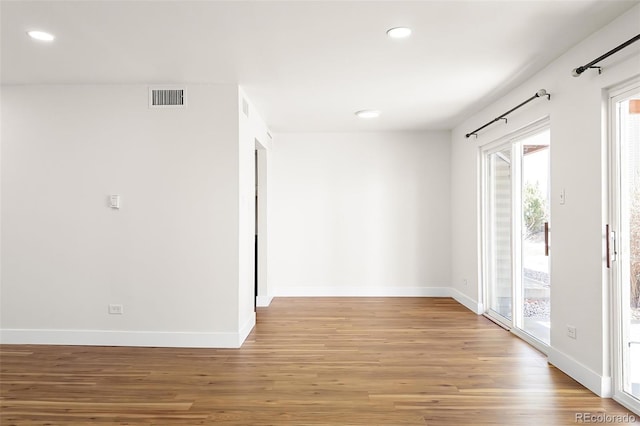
x: 328, y: 361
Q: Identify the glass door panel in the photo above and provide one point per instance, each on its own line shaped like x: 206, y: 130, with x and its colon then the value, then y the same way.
x: 535, y: 291
x: 499, y: 233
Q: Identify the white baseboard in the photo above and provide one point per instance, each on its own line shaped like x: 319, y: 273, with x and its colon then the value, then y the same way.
x: 466, y: 301
x: 600, y: 385
x: 328, y: 291
x: 246, y: 329
x: 263, y: 301
x: 341, y: 291
x: 167, y: 339
x: 216, y: 339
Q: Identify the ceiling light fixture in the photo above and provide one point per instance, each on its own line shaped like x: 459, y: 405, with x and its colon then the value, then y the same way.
x: 399, y: 32
x: 40, y: 35
x: 368, y: 113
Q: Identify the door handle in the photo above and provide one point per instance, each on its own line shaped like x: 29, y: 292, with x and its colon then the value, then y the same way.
x: 612, y: 252
x: 608, y: 245
x: 546, y: 238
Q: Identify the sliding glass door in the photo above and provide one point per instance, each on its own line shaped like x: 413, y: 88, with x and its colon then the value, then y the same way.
x: 516, y: 233
x: 623, y: 243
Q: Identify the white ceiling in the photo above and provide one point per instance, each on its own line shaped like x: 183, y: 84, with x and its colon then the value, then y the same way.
x: 306, y: 65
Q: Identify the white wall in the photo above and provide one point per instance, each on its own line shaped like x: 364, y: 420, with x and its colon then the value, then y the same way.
x: 169, y: 255
x: 578, y: 165
x: 360, y: 214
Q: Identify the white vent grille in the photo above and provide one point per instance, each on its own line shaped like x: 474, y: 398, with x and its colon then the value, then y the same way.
x: 245, y: 107
x: 167, y: 97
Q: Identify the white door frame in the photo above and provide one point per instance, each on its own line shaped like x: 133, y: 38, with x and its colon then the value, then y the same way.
x: 618, y: 272
x: 262, y: 296
x: 516, y: 202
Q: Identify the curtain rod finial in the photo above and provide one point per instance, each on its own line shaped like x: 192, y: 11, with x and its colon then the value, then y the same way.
x: 577, y: 71
x: 541, y: 93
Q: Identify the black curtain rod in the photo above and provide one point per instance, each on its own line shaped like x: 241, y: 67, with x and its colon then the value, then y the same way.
x: 538, y: 94
x: 577, y: 71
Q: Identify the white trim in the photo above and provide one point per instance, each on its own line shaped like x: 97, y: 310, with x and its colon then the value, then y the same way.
x: 178, y: 339
x: 521, y: 133
x: 167, y: 339
x: 600, y: 385
x: 263, y: 301
x: 346, y: 291
x: 627, y: 401
x: 466, y: 301
x: 530, y: 339
x: 262, y: 297
x: 246, y: 329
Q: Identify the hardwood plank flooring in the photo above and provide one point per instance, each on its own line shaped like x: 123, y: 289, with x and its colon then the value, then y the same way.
x: 309, y: 361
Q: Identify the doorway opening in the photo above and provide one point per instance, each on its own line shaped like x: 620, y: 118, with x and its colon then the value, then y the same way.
x: 260, y: 244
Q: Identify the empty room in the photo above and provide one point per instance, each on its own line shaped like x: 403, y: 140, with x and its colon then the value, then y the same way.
x: 255, y: 212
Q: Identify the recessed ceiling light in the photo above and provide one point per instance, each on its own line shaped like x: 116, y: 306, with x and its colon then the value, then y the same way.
x: 40, y: 35
x: 368, y: 113
x: 399, y: 32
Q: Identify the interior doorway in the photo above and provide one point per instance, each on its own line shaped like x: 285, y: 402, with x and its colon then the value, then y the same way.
x: 261, y: 290
x: 516, y: 233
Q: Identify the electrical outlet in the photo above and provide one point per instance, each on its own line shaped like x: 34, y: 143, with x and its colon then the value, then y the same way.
x: 116, y: 310
x: 465, y: 282
x: 571, y: 332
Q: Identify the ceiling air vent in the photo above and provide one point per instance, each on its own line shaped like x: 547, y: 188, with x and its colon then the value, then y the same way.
x: 165, y: 97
